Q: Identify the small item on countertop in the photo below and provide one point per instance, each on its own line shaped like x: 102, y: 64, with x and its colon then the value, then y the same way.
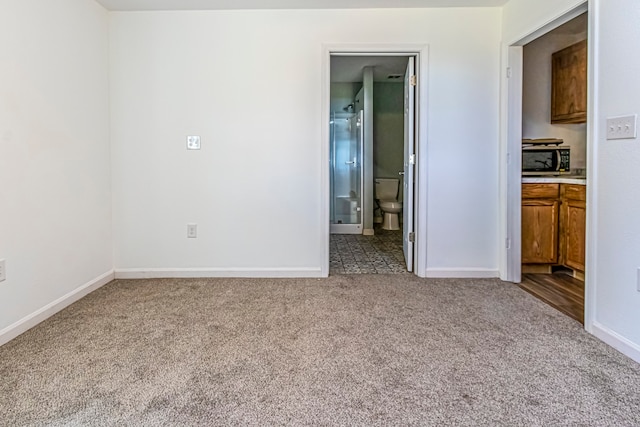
x: 542, y: 141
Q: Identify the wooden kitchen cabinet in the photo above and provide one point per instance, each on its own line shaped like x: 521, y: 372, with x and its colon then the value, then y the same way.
x: 573, y: 225
x: 569, y: 84
x: 553, y: 227
x: 540, y: 223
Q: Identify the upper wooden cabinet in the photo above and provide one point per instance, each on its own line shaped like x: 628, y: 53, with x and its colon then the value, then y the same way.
x: 569, y: 84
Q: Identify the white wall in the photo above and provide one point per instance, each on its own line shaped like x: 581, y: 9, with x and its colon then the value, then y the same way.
x: 388, y: 129
x: 55, y: 197
x: 536, y: 96
x: 617, y: 233
x: 343, y: 94
x: 249, y: 83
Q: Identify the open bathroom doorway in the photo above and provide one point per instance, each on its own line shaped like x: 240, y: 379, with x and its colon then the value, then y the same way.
x: 372, y: 159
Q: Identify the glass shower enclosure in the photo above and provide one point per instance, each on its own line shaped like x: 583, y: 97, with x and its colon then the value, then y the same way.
x: 347, y: 143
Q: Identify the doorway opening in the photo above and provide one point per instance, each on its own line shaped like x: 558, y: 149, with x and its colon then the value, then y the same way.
x: 372, y: 147
x: 546, y: 219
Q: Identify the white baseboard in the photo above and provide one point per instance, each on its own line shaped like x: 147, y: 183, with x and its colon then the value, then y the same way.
x: 617, y: 341
x: 462, y: 273
x: 165, y: 273
x: 28, y: 322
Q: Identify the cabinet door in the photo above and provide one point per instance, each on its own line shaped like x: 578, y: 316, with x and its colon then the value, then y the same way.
x: 569, y: 84
x: 539, y: 231
x: 574, y: 217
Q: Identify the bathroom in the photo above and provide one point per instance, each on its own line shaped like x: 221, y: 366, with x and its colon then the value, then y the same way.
x: 367, y: 157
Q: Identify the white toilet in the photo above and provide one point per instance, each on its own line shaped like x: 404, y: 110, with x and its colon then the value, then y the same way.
x: 386, y: 194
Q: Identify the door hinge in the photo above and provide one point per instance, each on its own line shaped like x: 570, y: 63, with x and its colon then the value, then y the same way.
x: 508, y: 72
x: 507, y: 243
x: 412, y: 237
x: 413, y: 80
x: 412, y: 159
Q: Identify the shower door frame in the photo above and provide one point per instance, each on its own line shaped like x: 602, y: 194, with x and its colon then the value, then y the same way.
x: 351, y: 228
x: 420, y: 52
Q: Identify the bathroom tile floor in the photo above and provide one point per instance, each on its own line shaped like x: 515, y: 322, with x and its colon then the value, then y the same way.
x: 358, y: 254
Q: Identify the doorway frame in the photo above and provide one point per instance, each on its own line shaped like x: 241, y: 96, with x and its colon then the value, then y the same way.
x: 511, y: 154
x: 420, y: 52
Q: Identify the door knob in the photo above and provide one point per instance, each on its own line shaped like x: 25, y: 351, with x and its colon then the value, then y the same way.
x: 401, y: 173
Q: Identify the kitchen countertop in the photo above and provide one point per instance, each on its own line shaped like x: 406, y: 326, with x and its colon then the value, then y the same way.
x: 565, y: 179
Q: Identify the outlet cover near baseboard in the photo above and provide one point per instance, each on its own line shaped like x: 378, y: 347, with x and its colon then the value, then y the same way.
x: 192, y: 231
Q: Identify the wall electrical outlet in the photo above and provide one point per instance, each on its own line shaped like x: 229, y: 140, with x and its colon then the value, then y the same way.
x: 622, y: 127
x: 192, y: 231
x: 193, y: 142
x: 3, y: 270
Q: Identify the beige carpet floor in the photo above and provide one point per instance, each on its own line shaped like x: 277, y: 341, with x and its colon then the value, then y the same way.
x: 348, y: 350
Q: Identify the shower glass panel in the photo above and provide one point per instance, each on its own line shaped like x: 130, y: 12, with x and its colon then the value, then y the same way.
x: 346, y: 172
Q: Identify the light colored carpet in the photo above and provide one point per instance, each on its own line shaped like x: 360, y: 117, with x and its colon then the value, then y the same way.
x: 347, y: 350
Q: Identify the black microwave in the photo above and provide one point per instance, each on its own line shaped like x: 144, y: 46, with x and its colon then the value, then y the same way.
x: 545, y: 160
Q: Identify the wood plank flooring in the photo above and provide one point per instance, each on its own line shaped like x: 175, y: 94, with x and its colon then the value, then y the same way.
x: 559, y: 290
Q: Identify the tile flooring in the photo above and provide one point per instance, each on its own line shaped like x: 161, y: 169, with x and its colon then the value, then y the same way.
x: 358, y: 254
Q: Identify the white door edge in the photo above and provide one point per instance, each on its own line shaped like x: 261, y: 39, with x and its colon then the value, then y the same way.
x: 408, y: 164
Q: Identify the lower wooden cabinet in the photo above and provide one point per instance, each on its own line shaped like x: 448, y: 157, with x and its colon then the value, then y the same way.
x: 573, y: 221
x: 553, y: 226
x: 539, y: 231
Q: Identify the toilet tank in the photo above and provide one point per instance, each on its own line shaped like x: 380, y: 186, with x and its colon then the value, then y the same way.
x: 386, y: 188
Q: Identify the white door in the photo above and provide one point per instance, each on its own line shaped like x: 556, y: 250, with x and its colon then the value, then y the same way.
x: 409, y: 162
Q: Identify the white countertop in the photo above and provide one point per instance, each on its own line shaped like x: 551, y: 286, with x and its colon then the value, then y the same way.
x: 566, y: 179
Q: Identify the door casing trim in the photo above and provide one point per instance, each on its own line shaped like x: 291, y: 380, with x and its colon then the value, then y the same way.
x: 420, y: 51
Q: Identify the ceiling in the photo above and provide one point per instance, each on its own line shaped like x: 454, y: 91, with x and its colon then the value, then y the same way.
x: 129, y: 5
x: 348, y: 69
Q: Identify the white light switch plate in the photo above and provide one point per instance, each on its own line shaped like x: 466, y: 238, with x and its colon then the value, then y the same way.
x: 622, y: 127
x: 193, y: 142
